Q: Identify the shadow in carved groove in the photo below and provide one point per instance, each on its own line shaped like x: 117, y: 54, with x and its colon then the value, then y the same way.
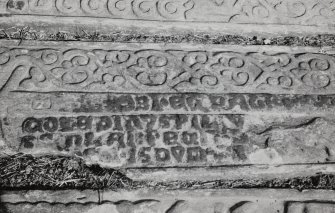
x: 309, y: 206
x: 126, y: 206
x: 177, y: 205
x: 3, y: 208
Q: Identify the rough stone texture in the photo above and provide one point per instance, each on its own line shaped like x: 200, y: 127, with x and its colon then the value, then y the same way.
x: 211, y: 201
x: 30, y: 32
x: 58, y: 172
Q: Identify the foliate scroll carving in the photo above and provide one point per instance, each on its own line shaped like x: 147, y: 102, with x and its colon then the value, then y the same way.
x: 153, y: 70
x: 129, y: 9
x: 277, y: 11
x: 310, y: 12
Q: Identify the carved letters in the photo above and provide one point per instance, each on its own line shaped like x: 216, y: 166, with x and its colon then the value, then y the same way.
x: 177, y: 139
x: 152, y: 70
x: 140, y: 139
x: 195, y: 103
x: 308, y: 12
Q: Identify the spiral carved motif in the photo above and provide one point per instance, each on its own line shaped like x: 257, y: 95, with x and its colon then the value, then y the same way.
x: 68, y: 6
x: 313, y: 12
x: 147, y: 9
x: 277, y: 11
x: 170, y: 70
x: 93, y: 6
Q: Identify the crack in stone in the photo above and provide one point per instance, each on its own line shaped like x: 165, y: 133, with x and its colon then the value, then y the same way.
x: 286, y: 127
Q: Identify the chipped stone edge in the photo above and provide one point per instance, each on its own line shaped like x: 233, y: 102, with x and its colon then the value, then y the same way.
x: 72, y: 24
x: 49, y: 196
x: 95, y: 196
x: 232, y: 172
x: 330, y: 50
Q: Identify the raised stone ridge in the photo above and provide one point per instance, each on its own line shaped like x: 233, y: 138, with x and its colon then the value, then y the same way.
x: 144, y: 201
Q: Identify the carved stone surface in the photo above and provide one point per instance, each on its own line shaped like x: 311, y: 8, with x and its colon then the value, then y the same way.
x: 209, y: 201
x: 153, y: 68
x: 136, y: 105
x: 167, y: 117
x: 308, y: 12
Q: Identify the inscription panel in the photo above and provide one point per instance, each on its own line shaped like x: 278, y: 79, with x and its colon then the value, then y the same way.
x: 189, y: 103
x: 69, y: 104
x: 139, y: 139
x: 153, y: 140
x: 308, y: 12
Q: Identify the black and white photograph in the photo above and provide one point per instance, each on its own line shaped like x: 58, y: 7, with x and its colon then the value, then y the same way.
x: 167, y: 106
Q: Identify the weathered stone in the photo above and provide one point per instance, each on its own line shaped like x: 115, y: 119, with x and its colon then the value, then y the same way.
x: 311, y: 12
x: 61, y: 196
x: 193, y: 119
x: 149, y: 68
x: 277, y: 11
x: 146, y: 105
x: 66, y: 20
x: 174, y: 139
x: 211, y: 201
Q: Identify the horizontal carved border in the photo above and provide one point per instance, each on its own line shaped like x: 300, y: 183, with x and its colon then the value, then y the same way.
x: 211, y: 201
x: 151, y: 68
x: 308, y: 12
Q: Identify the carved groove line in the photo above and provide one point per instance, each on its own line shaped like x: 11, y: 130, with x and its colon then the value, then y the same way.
x: 126, y: 206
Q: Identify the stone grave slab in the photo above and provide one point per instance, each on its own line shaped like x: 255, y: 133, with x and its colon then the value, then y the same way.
x: 167, y: 106
x: 155, y: 107
x: 229, y: 16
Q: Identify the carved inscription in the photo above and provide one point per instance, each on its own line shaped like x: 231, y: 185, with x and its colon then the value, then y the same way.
x: 308, y: 12
x: 167, y: 70
x: 141, y: 139
x: 195, y: 103
x: 176, y: 139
